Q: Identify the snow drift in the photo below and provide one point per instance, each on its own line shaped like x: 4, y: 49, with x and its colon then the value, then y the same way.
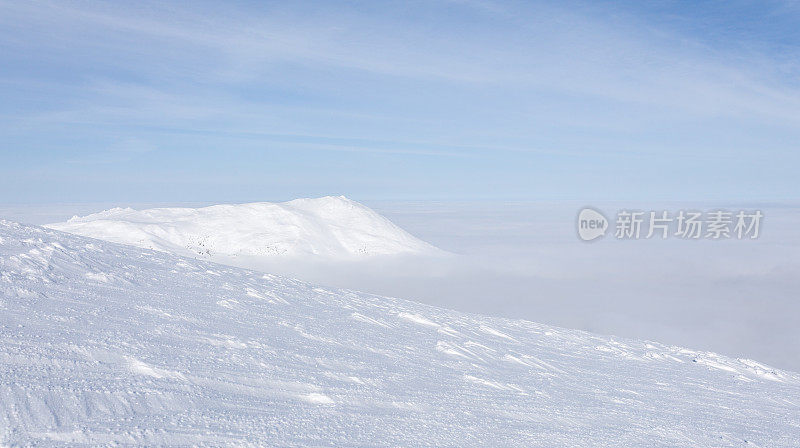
x: 326, y: 228
x: 105, y: 344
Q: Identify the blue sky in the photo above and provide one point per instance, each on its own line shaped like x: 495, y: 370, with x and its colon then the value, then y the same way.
x: 437, y: 100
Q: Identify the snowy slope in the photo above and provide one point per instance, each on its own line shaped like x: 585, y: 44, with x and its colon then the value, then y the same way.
x: 103, y: 343
x: 327, y: 227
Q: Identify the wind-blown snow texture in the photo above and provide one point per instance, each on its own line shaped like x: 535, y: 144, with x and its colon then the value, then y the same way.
x: 103, y: 343
x: 328, y: 227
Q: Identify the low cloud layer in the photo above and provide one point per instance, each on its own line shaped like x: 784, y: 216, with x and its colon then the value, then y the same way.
x: 525, y: 261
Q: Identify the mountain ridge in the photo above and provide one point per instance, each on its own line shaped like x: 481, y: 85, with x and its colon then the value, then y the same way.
x: 326, y: 228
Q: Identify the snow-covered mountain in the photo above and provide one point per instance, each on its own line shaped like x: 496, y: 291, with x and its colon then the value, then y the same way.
x: 326, y: 228
x: 105, y: 344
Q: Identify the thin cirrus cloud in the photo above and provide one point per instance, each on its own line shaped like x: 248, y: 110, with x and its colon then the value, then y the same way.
x: 448, y: 79
x: 557, y: 50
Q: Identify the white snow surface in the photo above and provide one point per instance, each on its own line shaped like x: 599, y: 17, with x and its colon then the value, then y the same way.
x: 328, y: 228
x: 106, y: 344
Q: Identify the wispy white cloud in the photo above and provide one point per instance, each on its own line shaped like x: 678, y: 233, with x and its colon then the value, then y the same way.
x: 541, y: 48
x: 475, y: 79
